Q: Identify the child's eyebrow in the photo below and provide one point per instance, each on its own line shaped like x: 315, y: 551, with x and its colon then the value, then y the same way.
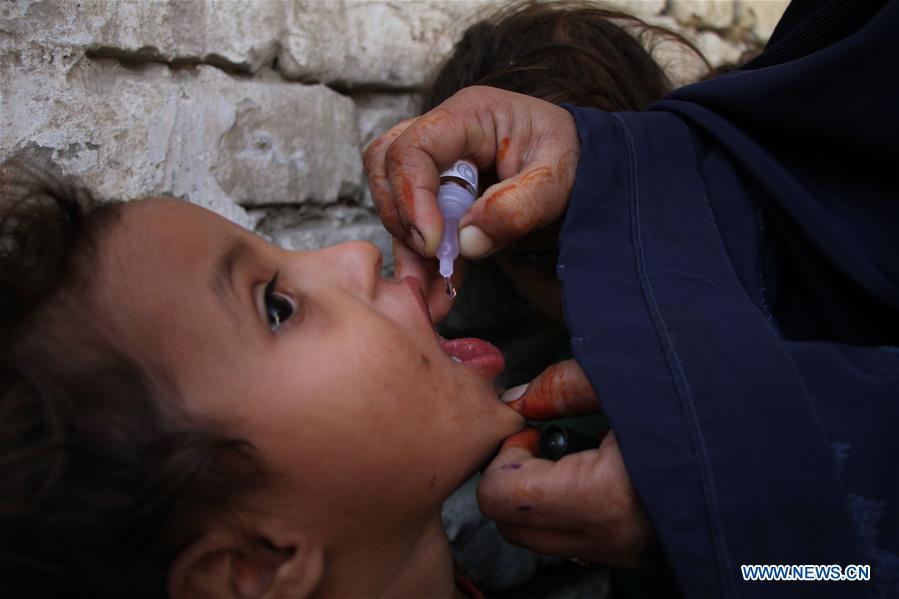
x: 222, y: 280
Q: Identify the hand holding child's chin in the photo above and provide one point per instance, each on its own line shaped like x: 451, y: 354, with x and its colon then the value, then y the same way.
x: 583, y: 506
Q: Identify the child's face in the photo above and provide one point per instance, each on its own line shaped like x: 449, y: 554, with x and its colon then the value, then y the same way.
x: 352, y: 400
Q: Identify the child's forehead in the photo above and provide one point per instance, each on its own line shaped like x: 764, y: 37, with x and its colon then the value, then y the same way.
x: 161, y: 240
x: 164, y: 222
x: 155, y: 271
x: 173, y: 213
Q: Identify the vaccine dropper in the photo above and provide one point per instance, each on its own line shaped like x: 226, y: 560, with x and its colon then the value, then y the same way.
x: 458, y: 191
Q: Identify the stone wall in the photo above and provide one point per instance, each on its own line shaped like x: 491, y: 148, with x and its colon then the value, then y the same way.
x: 258, y: 109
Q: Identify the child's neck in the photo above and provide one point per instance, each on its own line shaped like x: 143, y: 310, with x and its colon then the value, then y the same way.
x: 412, y: 563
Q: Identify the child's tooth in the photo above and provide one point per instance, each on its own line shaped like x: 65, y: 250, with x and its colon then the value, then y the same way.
x: 456, y: 360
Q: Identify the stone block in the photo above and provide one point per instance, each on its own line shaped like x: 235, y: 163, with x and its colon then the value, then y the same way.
x: 760, y: 16
x: 716, y: 14
x: 638, y: 8
x: 236, y: 34
x: 717, y: 50
x: 195, y: 132
x: 288, y: 143
x: 378, y: 112
x: 354, y: 43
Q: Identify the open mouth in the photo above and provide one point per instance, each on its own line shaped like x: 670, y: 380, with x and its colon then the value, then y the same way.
x: 476, y: 354
x: 470, y: 352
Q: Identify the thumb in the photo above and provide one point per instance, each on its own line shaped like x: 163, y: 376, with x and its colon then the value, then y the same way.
x: 515, y: 207
x: 561, y: 390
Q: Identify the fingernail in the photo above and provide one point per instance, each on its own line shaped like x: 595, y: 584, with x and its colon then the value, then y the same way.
x: 514, y: 393
x: 418, y: 242
x: 473, y: 243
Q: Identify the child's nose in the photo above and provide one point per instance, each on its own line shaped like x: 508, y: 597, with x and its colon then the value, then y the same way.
x: 357, y: 264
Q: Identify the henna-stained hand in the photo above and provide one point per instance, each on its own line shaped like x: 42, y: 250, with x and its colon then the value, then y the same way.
x: 583, y: 506
x: 531, y: 144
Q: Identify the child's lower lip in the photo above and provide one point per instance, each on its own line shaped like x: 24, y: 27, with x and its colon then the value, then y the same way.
x: 476, y: 354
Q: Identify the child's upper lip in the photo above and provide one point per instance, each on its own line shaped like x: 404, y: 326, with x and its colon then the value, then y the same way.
x: 417, y: 291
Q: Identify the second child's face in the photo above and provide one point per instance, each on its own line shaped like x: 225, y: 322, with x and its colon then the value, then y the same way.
x: 333, y: 372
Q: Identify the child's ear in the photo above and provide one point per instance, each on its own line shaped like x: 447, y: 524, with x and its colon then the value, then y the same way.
x: 227, y: 564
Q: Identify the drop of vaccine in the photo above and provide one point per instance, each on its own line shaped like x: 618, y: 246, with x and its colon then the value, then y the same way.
x: 450, y: 290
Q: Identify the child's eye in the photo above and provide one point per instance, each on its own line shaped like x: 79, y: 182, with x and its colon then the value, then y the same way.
x: 278, y: 308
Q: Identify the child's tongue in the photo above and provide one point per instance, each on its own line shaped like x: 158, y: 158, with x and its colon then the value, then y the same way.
x: 478, y: 354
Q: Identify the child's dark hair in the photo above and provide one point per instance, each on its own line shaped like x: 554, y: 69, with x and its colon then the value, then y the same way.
x: 567, y: 51
x: 104, y: 476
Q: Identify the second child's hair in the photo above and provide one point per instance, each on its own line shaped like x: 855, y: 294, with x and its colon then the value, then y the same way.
x: 570, y: 51
x: 104, y: 474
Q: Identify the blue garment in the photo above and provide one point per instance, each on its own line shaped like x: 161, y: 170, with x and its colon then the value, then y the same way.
x: 730, y: 269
